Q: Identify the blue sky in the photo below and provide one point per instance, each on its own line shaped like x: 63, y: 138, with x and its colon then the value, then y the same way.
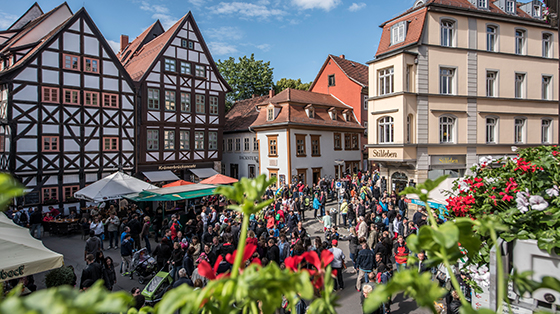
x: 294, y: 35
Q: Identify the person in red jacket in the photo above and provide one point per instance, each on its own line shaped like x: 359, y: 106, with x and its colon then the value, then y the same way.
x: 401, y: 253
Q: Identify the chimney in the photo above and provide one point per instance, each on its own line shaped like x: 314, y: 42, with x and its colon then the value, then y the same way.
x: 271, y: 93
x: 342, y: 57
x: 124, y: 42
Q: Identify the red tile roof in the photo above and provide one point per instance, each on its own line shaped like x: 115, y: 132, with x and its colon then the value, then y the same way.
x: 413, y: 31
x: 242, y: 114
x: 355, y: 71
x: 143, y: 59
x: 138, y: 42
x: 292, y: 103
x: 417, y: 16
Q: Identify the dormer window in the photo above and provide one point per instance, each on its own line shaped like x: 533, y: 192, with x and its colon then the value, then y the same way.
x: 483, y: 4
x: 348, y: 115
x: 334, y: 115
x: 510, y: 6
x: 270, y: 114
x: 398, y: 32
x: 537, y: 11
x: 310, y: 112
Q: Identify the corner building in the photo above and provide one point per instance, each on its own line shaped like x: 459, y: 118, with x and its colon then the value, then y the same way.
x: 454, y: 80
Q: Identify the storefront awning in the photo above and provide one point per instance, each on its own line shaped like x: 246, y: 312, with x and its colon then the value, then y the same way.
x: 158, y: 176
x: 175, y: 193
x: 204, y: 173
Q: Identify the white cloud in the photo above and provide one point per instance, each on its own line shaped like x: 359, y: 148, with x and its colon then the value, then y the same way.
x: 197, y: 2
x: 263, y: 47
x: 326, y: 5
x: 116, y: 46
x: 356, y: 7
x: 220, y: 48
x: 6, y: 20
x: 160, y: 12
x: 224, y: 33
x: 246, y: 10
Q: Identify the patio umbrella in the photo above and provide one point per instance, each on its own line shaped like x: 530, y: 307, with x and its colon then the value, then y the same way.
x: 23, y: 255
x: 218, y: 179
x: 112, y: 187
x: 177, y: 183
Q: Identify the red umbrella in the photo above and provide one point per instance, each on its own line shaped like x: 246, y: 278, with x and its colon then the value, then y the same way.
x: 218, y: 179
x: 177, y: 183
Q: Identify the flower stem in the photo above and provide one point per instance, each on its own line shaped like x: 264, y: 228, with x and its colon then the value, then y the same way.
x: 433, y: 221
x: 240, y: 247
x: 453, y: 278
x: 500, y: 269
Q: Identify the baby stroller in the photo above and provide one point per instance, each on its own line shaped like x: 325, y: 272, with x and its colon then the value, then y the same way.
x: 144, y: 265
x: 157, y: 287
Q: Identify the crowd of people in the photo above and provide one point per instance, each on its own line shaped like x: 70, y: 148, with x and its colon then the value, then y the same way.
x: 377, y: 225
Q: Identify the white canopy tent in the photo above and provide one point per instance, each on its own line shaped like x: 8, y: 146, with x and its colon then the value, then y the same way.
x: 23, y: 255
x: 112, y: 187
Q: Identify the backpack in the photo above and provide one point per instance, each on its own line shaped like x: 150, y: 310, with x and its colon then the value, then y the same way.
x: 385, y: 277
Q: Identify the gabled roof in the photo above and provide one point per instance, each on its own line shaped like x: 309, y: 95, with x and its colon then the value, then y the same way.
x: 306, y: 97
x: 355, y: 71
x: 54, y: 34
x: 32, y: 13
x: 413, y: 34
x: 8, y: 45
x: 145, y: 58
x: 292, y: 103
x: 242, y: 114
x: 142, y: 39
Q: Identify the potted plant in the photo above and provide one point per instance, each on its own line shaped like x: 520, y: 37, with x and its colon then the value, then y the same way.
x: 60, y: 277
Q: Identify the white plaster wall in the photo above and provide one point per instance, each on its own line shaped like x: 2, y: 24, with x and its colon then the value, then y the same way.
x: 282, y: 159
x: 242, y: 158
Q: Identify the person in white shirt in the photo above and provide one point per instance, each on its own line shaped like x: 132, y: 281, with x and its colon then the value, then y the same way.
x: 326, y: 220
x: 98, y: 228
x: 337, y: 264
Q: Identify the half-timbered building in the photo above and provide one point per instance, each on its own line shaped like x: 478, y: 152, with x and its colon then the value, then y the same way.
x: 180, y: 100
x: 66, y: 106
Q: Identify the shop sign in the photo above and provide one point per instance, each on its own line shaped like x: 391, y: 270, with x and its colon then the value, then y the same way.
x: 449, y: 160
x: 176, y: 167
x: 249, y: 158
x: 12, y: 273
x: 383, y: 153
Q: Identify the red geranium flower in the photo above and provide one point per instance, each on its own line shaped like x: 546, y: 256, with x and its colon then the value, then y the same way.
x: 320, y: 265
x: 205, y: 270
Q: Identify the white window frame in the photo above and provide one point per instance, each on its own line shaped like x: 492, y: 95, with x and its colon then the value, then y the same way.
x: 447, y: 77
x: 398, y: 32
x: 386, y: 129
x: 447, y: 125
x: 483, y: 4
x: 170, y: 65
x: 520, y: 41
x: 386, y: 81
x: 491, y: 130
x: 546, y: 129
x: 491, y: 83
x: 546, y: 90
x: 510, y: 6
x: 491, y: 36
x: 547, y: 45
x: 520, y: 80
x: 519, y: 126
x: 447, y: 32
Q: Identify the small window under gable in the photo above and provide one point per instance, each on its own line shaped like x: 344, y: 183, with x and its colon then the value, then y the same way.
x: 533, y: 8
x: 398, y: 32
x: 310, y: 111
x: 333, y: 113
x: 271, y: 112
x: 347, y: 115
x: 511, y: 6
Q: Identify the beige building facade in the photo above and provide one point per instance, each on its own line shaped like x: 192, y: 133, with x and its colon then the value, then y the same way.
x: 456, y: 80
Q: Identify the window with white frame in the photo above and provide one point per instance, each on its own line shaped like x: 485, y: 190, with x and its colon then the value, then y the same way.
x: 169, y: 140
x: 237, y: 144
x: 255, y: 144
x: 398, y: 32
x: 546, y: 87
x: 385, y: 81
x: 185, y: 102
x: 483, y: 4
x: 491, y: 124
x: 537, y: 11
x: 446, y: 76
x: 246, y: 144
x: 510, y: 6
x: 545, y: 131
x: 519, y: 130
x: 270, y: 114
x: 519, y: 41
x: 229, y: 144
x: 546, y: 45
x: 446, y: 129
x: 491, y: 83
x: 519, y: 85
x: 447, y: 33
x: 185, y: 68
x: 386, y: 129
x: 491, y: 37
x: 169, y: 65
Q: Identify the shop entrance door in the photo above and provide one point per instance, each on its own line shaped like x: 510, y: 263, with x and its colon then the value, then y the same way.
x: 316, y: 175
x: 399, y: 181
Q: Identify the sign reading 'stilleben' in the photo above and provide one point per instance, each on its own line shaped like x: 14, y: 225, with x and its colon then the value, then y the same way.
x: 449, y: 160
x: 13, y: 273
x: 383, y: 153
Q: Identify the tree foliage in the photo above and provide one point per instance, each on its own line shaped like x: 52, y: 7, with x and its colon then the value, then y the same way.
x: 284, y: 83
x: 247, y: 77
